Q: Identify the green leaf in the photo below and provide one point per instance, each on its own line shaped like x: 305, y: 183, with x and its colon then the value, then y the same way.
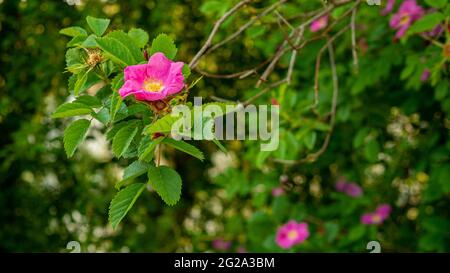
x: 147, y: 147
x: 436, y: 3
x: 127, y: 42
x: 371, y: 151
x: 310, y: 139
x: 122, y: 140
x: 114, y: 129
x: 184, y: 147
x: 186, y: 71
x: 89, y: 101
x: 74, y: 134
x: 102, y: 116
x: 162, y: 125
x: 73, y: 31
x: 166, y: 182
x: 74, y: 60
x: 428, y: 22
x: 134, y: 170
x: 90, y: 41
x: 139, y: 36
x: 218, y: 144
x: 71, y: 109
x: 163, y: 43
x: 97, y: 25
x: 80, y: 83
x: 116, y: 51
x: 77, y: 41
x: 123, y: 202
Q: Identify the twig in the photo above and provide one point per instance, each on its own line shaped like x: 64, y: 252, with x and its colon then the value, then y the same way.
x: 313, y: 156
x: 245, y: 26
x: 353, y: 28
x: 294, y: 57
x: 216, y: 27
x: 265, y: 90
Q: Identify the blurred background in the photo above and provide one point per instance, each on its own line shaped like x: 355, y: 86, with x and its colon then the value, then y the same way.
x: 390, y: 138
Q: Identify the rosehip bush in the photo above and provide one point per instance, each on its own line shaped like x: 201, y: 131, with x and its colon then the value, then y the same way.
x: 364, y: 105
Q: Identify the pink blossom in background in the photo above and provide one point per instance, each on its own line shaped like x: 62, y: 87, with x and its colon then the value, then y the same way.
x: 319, y: 24
x: 384, y: 210
x: 157, y: 79
x: 242, y: 249
x: 377, y: 217
x: 408, y: 12
x: 425, y: 75
x: 278, y: 191
x: 351, y: 189
x: 389, y: 6
x: 341, y: 184
x: 221, y: 244
x: 292, y: 233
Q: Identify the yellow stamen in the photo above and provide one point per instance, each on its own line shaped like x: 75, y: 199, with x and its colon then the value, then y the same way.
x: 151, y: 85
x: 376, y: 219
x: 404, y: 20
x: 292, y: 235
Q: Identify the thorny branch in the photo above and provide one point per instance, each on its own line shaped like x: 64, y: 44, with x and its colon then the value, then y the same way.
x: 293, y: 42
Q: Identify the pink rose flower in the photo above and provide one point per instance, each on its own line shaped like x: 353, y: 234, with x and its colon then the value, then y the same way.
x: 319, y: 24
x: 221, y: 244
x: 425, y: 75
x: 377, y: 217
x: 408, y: 12
x: 157, y: 79
x: 278, y: 191
x: 389, y: 6
x: 292, y: 233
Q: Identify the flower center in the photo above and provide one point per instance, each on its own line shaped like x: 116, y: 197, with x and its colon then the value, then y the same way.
x: 376, y: 219
x: 151, y: 85
x: 292, y: 235
x: 404, y: 19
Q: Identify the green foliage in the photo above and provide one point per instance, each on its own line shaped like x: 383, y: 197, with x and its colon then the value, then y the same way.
x: 72, y: 109
x: 163, y: 43
x: 428, y: 22
x: 74, y: 135
x: 139, y: 36
x: 123, y: 138
x: 184, y: 147
x: 123, y: 202
x: 166, y: 182
x: 97, y: 25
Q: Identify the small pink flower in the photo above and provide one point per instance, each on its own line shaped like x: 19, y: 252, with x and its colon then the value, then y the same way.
x: 340, y: 185
x: 381, y: 213
x: 221, y: 244
x: 242, y: 249
x: 157, y: 79
x: 425, y: 75
x: 408, y: 12
x: 292, y: 233
x: 389, y: 6
x: 351, y: 189
x: 278, y: 191
x: 319, y: 24
x: 384, y: 210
